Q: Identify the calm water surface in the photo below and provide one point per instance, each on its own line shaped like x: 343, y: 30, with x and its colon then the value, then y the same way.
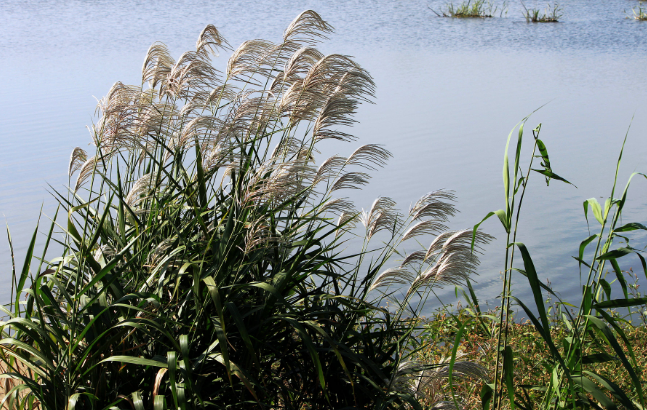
x: 449, y: 91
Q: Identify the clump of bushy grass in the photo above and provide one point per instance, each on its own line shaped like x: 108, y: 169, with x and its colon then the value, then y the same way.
x: 203, y: 261
x: 470, y: 9
x: 552, y: 14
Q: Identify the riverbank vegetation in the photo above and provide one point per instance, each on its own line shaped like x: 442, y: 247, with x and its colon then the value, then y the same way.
x: 531, y: 353
x: 207, y: 257
x: 563, y: 355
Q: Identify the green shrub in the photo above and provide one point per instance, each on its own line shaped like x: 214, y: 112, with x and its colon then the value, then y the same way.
x: 204, y: 258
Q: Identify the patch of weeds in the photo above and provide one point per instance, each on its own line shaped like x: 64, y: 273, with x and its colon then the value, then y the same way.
x: 471, y: 9
x: 532, y: 357
x: 638, y: 13
x: 552, y: 14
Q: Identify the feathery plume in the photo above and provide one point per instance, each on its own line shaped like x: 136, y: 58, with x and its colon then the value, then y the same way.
x: 453, y: 258
x: 141, y: 187
x: 414, y: 257
x: 419, y: 379
x: 423, y: 228
x: 308, y: 27
x: 285, y: 180
x: 77, y: 158
x: 434, y: 205
x: 210, y: 41
x: 202, y: 128
x: 348, y: 221
x: 244, y: 62
x: 329, y: 168
x: 192, y: 73
x: 103, y: 250
x: 381, y: 216
x: 351, y: 180
x: 393, y: 276
x: 259, y: 235
x: 339, y: 205
x: 88, y: 168
x: 287, y: 148
x: 430, y: 380
x: 225, y: 92
x: 369, y: 156
x: 160, y: 251
x: 403, y: 378
x: 338, y: 110
x: 297, y: 66
x: 157, y: 65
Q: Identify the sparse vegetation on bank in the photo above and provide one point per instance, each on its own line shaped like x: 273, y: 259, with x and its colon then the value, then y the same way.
x: 531, y: 354
x: 587, y: 338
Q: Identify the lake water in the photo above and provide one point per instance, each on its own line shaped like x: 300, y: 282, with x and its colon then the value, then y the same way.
x: 449, y: 92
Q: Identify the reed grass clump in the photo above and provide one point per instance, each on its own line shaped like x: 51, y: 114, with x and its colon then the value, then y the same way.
x: 204, y: 260
x: 552, y: 14
x: 470, y: 9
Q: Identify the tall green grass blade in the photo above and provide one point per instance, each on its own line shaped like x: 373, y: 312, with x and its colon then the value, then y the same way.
x: 597, y: 358
x: 612, y: 341
x: 551, y: 175
x: 632, y: 226
x: 614, y: 389
x: 171, y: 360
x: 543, y: 331
x: 621, y: 278
x: 135, y: 360
x: 595, y: 208
x: 534, y: 282
x: 159, y: 403
x: 137, y: 402
x: 457, y: 342
x: 614, y: 254
x: 503, y: 217
x: 590, y: 387
x: 508, y: 373
x: 24, y: 274
x: 487, y: 394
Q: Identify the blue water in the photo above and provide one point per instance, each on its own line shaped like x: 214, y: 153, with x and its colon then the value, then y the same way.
x: 449, y: 91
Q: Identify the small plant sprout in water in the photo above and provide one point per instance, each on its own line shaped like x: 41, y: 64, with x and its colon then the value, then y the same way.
x: 638, y: 13
x: 471, y: 9
x: 551, y: 14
